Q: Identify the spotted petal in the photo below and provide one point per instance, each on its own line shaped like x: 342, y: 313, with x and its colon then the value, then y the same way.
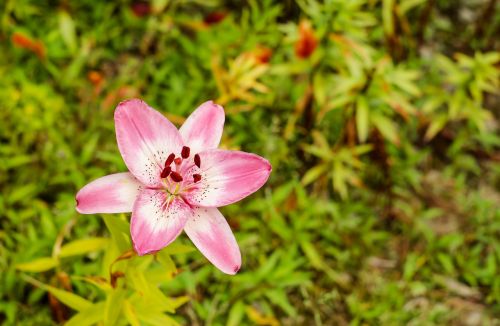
x: 157, y: 221
x: 114, y: 193
x: 145, y: 139
x: 203, y: 128
x: 227, y: 177
x: 211, y: 234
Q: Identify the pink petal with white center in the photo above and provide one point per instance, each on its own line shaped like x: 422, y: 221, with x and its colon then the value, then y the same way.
x: 145, y: 139
x: 157, y: 220
x: 114, y: 193
x: 203, y: 128
x: 211, y: 234
x: 226, y: 177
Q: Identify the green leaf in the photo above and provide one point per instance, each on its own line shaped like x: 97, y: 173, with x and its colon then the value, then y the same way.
x: 362, y: 121
x: 437, y: 124
x: 70, y: 299
x: 447, y: 262
x: 119, y: 230
x: 314, y: 173
x: 339, y: 176
x: 386, y: 127
x: 89, y: 316
x: 406, y: 5
x: 67, y: 29
x: 236, y: 314
x: 83, y: 246
x: 279, y: 297
x: 38, y: 265
x: 312, y: 254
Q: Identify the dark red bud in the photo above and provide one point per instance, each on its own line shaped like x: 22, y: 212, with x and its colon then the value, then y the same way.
x: 176, y: 177
x: 197, y: 160
x: 178, y: 161
x: 170, y: 159
x: 214, y: 17
x: 165, y: 172
x: 196, y: 177
x: 185, y: 152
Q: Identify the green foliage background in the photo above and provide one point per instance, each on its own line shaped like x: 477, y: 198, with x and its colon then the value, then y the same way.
x: 383, y: 206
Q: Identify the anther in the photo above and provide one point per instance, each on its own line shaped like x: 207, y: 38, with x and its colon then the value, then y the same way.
x: 196, y: 177
x: 178, y: 161
x: 197, y: 160
x: 185, y: 152
x: 165, y: 172
x: 170, y: 159
x: 176, y: 177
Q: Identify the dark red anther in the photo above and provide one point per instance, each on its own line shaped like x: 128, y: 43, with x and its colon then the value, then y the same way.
x: 178, y: 161
x: 165, y: 172
x: 197, y: 160
x: 196, y: 177
x: 176, y: 177
x: 170, y: 159
x: 185, y: 152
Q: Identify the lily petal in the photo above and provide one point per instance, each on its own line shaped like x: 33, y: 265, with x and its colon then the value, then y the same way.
x: 114, y: 193
x: 145, y: 139
x: 203, y: 128
x: 210, y: 233
x: 157, y: 221
x: 227, y: 177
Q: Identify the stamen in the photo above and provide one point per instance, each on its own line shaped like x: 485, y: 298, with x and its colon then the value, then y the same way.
x: 170, y: 159
x: 185, y: 152
x: 197, y: 160
x: 166, y: 171
x: 196, y: 177
x: 178, y: 161
x: 176, y: 177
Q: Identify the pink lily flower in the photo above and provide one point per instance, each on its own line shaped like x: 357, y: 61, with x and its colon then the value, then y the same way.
x: 177, y: 180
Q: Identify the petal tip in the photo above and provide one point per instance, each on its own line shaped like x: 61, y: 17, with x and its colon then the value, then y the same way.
x: 123, y: 105
x: 230, y: 270
x: 210, y: 104
x: 77, y: 204
x: 140, y: 250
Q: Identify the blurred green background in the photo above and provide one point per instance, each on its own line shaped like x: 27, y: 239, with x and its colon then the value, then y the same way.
x: 380, y: 118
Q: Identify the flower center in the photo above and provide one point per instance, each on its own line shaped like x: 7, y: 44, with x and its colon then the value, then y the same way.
x: 172, y: 176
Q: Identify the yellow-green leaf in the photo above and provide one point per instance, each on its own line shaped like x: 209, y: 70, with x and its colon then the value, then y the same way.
x: 362, y: 121
x: 70, y: 299
x: 89, y: 316
x: 435, y: 126
x: 38, y: 265
x: 114, y: 303
x: 130, y: 314
x: 83, y: 246
x: 386, y: 127
x: 178, y: 248
x: 314, y: 173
